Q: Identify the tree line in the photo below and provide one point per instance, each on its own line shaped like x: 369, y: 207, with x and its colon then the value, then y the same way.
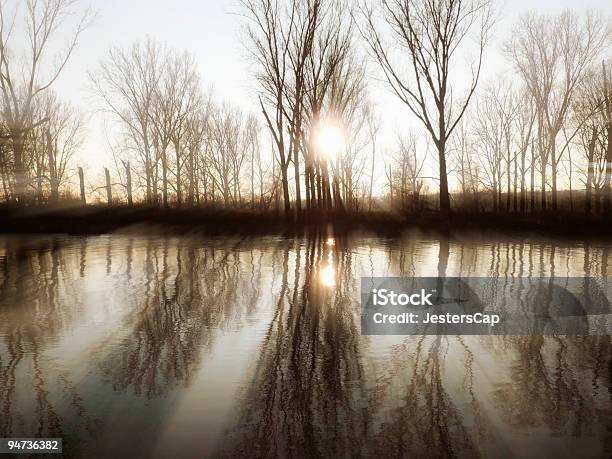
x: 503, y: 144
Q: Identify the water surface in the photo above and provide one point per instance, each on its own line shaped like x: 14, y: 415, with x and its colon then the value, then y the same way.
x: 192, y: 346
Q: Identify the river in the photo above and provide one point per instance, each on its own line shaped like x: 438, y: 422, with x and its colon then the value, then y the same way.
x: 147, y: 345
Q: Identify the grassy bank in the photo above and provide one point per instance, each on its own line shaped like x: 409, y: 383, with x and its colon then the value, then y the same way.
x: 93, y: 219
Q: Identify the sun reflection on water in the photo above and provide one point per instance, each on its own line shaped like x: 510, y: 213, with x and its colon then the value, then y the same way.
x: 328, y: 275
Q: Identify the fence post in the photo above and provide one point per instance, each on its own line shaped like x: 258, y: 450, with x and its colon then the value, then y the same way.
x: 109, y: 196
x: 82, y: 185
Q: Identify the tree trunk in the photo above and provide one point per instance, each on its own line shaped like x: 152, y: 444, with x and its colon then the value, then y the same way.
x: 285, y: 189
x: 252, y: 177
x: 390, y: 187
x: 54, y: 182
x: 260, y: 174
x: 508, y: 181
x: 82, y: 185
x: 372, y: 175
x: 128, y: 175
x: 109, y: 195
x: 495, y: 200
x: 6, y: 186
x: 148, y: 166
x: 192, y: 178
x: 205, y: 183
x: 607, y: 206
x: 155, y: 197
x: 307, y: 187
x: 296, y: 167
x: 444, y: 196
x: 39, y: 190
x: 499, y: 188
x: 543, y: 183
x: 179, y: 191
x: 515, y: 187
x: 327, y: 194
x: 523, y: 190
x: 148, y: 179
x: 18, y: 164
x: 319, y: 187
x: 591, y: 170
x: 608, y: 116
x: 553, y: 162
x: 164, y: 179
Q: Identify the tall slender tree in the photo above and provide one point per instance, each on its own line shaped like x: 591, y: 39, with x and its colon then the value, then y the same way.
x: 429, y: 35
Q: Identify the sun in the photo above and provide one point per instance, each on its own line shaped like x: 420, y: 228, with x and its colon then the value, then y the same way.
x: 330, y: 140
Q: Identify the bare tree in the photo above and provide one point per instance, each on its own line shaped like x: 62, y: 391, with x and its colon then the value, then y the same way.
x: 252, y: 145
x: 465, y: 155
x: 345, y: 105
x: 525, y: 121
x: 551, y: 54
x: 127, y: 82
x: 182, y: 98
x: 407, y: 173
x: 607, y: 115
x: 589, y: 117
x: 490, y: 131
x: 22, y: 79
x: 329, y: 64
x: 63, y: 136
x: 230, y: 135
x: 373, y: 126
x: 307, y: 16
x: 430, y: 33
x: 194, y: 141
x: 269, y: 28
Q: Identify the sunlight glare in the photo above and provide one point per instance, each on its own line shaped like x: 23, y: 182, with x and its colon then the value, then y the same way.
x: 328, y: 276
x: 330, y: 140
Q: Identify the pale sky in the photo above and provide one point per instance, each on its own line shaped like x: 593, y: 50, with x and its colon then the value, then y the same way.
x: 209, y: 30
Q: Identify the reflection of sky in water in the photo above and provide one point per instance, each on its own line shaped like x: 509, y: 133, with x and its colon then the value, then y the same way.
x: 254, y: 345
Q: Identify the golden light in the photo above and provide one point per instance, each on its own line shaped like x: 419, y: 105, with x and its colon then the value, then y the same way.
x: 330, y: 140
x: 328, y: 276
x: 330, y: 241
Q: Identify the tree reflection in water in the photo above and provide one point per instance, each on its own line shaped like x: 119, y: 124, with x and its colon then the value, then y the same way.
x: 313, y: 386
x: 186, y: 301
x: 34, y: 275
x: 308, y: 395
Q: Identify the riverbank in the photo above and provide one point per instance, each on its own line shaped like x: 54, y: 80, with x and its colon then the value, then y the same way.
x: 93, y: 219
